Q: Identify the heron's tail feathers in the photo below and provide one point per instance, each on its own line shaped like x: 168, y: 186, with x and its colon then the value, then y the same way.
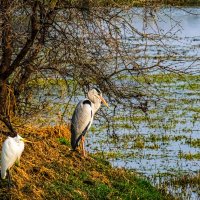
x: 73, y: 144
x: 73, y: 137
x: 3, y: 173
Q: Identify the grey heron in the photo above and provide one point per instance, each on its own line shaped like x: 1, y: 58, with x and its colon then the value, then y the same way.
x: 12, y: 149
x: 83, y: 117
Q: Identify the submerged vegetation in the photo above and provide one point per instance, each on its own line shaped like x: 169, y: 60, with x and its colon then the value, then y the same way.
x: 165, y: 138
x: 190, y: 156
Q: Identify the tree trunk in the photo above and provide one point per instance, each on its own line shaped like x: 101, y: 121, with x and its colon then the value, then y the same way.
x: 7, y: 105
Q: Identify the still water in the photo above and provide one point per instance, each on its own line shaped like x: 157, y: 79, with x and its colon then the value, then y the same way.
x: 163, y: 144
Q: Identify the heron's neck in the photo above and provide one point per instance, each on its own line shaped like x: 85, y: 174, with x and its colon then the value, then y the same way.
x: 96, y: 106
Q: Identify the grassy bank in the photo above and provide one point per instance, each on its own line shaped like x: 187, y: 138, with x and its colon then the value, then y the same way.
x: 49, y: 170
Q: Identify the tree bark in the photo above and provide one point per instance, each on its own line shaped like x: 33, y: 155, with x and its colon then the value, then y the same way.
x: 40, y: 21
x: 6, y: 38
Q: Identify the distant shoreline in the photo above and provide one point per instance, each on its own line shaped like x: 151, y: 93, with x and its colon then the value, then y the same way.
x: 151, y: 3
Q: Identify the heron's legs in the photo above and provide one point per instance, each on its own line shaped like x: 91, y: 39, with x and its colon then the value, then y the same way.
x: 83, y: 148
x: 9, y: 179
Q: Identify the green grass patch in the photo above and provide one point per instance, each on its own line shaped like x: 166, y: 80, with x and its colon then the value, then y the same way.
x: 63, y: 141
x: 98, y: 180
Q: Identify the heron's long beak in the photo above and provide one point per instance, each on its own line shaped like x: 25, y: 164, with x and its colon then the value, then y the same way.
x: 103, y: 100
x: 24, y: 140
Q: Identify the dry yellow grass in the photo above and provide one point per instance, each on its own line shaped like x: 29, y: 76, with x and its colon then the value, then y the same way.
x: 43, y: 161
x: 33, y: 170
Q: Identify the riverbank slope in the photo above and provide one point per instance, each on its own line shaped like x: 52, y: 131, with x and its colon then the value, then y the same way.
x: 49, y: 170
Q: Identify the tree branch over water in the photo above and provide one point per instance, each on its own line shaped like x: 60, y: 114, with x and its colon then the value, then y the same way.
x: 48, y: 41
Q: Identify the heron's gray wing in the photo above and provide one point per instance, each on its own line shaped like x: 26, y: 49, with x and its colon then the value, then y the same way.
x: 80, y: 122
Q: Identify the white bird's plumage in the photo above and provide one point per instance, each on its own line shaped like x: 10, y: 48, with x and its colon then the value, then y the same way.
x: 11, y: 152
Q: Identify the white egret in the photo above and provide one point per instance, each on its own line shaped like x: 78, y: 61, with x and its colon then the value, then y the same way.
x: 12, y: 149
x: 83, y: 117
